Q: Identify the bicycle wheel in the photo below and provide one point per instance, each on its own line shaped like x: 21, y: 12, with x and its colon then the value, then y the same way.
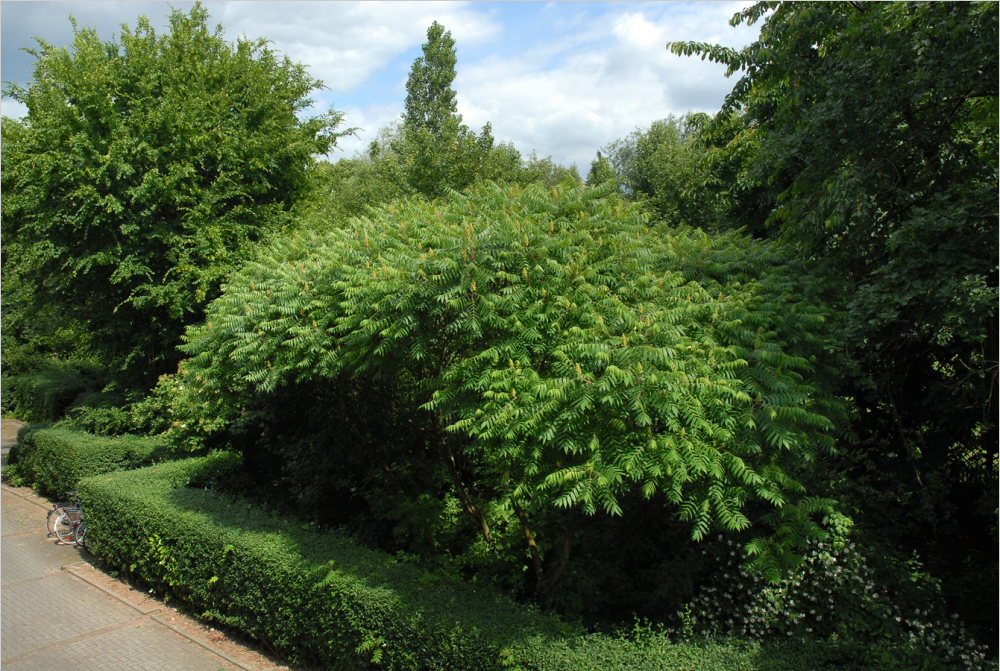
x: 65, y: 526
x: 53, y: 515
x: 80, y: 536
x: 88, y: 544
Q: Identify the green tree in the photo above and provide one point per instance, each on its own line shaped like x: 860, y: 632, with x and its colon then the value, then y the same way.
x: 865, y: 135
x: 547, y: 172
x: 146, y: 170
x: 663, y: 166
x: 564, y: 356
x: 601, y: 172
x: 349, y: 187
x: 438, y: 152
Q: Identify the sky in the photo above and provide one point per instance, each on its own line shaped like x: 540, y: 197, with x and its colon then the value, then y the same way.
x: 562, y: 79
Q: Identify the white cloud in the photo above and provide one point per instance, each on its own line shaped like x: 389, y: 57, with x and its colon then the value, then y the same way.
x: 12, y: 108
x: 347, y: 43
x: 613, y: 74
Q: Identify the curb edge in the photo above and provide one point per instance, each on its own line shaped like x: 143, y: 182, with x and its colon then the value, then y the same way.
x: 161, y: 621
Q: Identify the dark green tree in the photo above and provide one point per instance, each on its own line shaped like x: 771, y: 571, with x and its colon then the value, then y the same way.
x: 146, y: 169
x: 864, y: 135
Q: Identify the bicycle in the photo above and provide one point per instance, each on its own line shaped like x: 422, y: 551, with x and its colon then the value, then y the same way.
x: 70, y: 525
x: 57, y: 510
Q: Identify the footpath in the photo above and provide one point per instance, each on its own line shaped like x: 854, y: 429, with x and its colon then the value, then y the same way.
x: 59, y: 612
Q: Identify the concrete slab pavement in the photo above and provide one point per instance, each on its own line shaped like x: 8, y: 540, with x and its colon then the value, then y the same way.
x: 54, y: 619
x: 8, y: 437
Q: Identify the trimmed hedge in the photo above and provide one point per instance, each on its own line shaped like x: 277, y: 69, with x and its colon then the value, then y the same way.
x: 320, y: 598
x: 316, y: 597
x: 57, y: 458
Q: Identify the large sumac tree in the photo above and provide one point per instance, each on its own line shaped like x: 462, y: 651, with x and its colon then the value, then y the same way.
x: 565, y: 355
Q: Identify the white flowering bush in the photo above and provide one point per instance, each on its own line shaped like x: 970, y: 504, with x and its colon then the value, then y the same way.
x: 836, y: 596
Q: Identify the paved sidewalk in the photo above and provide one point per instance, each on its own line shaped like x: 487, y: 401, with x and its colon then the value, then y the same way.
x: 8, y: 437
x: 54, y: 618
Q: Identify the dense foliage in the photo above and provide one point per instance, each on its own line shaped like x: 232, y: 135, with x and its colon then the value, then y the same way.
x: 561, y: 351
x: 145, y: 170
x: 649, y: 404
x: 864, y: 135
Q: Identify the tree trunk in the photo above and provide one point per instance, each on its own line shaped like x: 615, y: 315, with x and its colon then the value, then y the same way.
x: 545, y: 584
x: 456, y: 478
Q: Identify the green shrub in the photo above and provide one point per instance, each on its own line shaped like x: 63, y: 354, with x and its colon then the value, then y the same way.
x: 842, y: 597
x: 562, y: 352
x: 42, y: 396
x: 322, y: 599
x: 103, y: 413
x: 62, y: 457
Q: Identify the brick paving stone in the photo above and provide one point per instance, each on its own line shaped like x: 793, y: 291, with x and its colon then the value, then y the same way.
x: 18, y: 516
x: 34, y: 556
x: 149, y: 647
x: 39, y: 613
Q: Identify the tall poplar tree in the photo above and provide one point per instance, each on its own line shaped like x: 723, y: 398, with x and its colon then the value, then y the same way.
x: 438, y: 151
x: 430, y: 100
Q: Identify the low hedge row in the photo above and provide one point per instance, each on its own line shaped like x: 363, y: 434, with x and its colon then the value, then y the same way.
x: 321, y: 599
x: 54, y: 460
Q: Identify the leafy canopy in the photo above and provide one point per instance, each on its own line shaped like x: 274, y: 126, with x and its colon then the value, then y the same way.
x: 872, y: 127
x: 575, y: 354
x: 865, y: 135
x: 145, y: 171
